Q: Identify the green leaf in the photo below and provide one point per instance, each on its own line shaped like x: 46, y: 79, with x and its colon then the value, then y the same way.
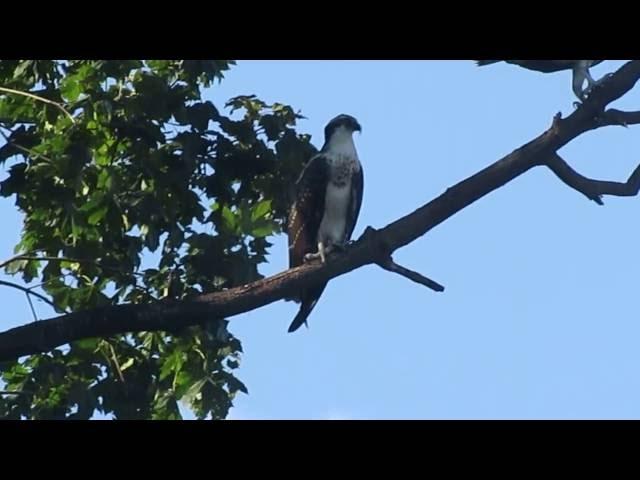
x: 70, y: 89
x: 200, y: 114
x: 16, y: 266
x: 233, y: 364
x: 230, y: 219
x: 151, y: 236
x: 172, y: 365
x: 194, y: 391
x: 263, y: 228
x: 126, y: 364
x: 88, y: 344
x: 97, y: 215
x: 260, y: 210
x: 22, y: 68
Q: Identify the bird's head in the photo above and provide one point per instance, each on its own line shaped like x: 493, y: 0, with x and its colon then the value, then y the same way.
x: 342, y: 123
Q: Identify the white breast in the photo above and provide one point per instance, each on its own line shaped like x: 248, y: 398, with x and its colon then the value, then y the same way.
x: 343, y: 162
x: 332, y: 227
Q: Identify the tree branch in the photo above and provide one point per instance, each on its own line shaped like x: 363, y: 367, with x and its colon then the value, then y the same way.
x: 28, y: 291
x: 39, y: 98
x: 15, y: 392
x: 392, y: 266
x: 593, y: 189
x: 93, y: 262
x: 369, y: 249
x: 26, y: 150
x: 613, y: 116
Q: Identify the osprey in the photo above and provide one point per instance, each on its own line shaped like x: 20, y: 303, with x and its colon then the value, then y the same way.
x: 580, y: 70
x: 327, y: 205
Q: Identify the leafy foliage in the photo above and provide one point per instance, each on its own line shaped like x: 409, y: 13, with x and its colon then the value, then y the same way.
x: 146, y: 169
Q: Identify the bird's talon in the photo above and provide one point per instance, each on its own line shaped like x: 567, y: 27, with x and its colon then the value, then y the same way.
x: 310, y: 257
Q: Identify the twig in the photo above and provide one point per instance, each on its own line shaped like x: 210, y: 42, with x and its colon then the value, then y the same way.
x: 17, y: 257
x: 15, y: 392
x: 114, y: 357
x: 33, y: 310
x: 65, y: 259
x: 593, y: 189
x: 28, y: 291
x: 23, y: 149
x: 391, y: 266
x: 36, y: 97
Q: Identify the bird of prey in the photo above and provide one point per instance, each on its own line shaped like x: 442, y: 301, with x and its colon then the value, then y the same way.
x: 326, y: 206
x: 580, y: 69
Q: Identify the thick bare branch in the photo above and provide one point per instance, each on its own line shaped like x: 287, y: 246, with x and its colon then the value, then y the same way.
x: 369, y: 249
x: 593, y: 189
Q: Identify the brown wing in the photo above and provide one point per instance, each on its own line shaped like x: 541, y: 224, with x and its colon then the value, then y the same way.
x: 304, y: 222
x: 306, y: 212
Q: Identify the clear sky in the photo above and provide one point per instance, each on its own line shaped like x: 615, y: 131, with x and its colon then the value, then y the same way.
x: 538, y: 319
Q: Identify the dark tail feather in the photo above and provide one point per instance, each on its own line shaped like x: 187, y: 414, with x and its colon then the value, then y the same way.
x: 301, y: 317
x: 309, y: 300
x: 482, y: 63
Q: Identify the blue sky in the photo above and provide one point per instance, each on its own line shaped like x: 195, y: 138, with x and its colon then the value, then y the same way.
x: 538, y: 317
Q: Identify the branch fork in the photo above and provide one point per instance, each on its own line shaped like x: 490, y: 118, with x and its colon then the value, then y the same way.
x: 382, y: 252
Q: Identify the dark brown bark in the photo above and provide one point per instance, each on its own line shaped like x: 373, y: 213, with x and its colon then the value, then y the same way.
x: 594, y: 189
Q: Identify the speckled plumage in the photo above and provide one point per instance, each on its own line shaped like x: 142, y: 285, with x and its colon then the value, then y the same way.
x: 327, y: 204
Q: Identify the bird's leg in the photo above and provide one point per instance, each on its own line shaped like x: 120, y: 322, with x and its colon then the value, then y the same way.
x: 324, y: 250
x: 580, y: 74
x: 322, y: 254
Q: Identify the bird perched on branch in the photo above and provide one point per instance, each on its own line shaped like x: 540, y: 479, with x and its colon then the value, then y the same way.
x: 580, y: 69
x: 326, y: 206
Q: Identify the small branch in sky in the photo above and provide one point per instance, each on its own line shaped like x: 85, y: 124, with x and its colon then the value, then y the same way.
x: 33, y: 310
x: 15, y: 258
x: 65, y: 259
x: 28, y: 291
x: 593, y: 189
x: 15, y: 392
x: 391, y: 266
x: 24, y: 149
